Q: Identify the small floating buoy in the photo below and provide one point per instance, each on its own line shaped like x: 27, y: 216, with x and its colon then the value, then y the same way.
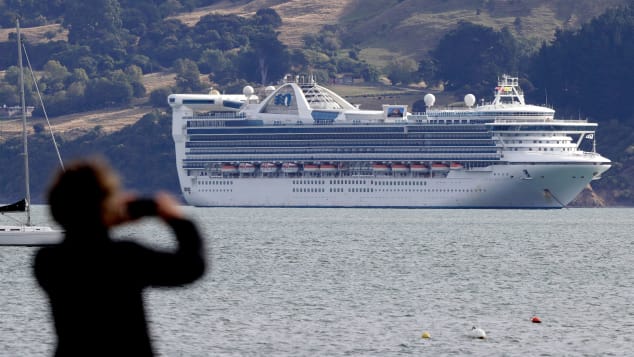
x: 425, y: 335
x: 477, y: 332
x: 536, y: 320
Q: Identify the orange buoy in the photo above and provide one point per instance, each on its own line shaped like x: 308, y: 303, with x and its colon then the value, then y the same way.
x: 536, y: 320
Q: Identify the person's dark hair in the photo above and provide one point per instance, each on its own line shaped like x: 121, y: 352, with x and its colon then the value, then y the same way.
x: 76, y: 196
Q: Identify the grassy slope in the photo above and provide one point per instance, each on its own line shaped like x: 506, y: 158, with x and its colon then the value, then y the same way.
x: 410, y: 28
x: 38, y: 34
x: 385, y: 29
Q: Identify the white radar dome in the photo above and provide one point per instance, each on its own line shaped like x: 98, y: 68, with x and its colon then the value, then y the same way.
x: 469, y: 100
x: 430, y: 99
x: 248, y: 91
x: 268, y: 90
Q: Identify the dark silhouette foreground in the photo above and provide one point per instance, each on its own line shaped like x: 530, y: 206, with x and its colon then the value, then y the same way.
x: 95, y: 284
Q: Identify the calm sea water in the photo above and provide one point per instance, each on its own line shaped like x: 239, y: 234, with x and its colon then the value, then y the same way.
x: 357, y: 282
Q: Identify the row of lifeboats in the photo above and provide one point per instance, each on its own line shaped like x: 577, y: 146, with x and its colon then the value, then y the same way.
x: 416, y: 167
x: 269, y: 168
x: 291, y: 168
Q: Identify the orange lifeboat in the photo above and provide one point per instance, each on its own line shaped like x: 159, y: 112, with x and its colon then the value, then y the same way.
x: 399, y: 168
x: 268, y: 168
x: 456, y: 166
x: 246, y: 168
x: 311, y: 168
x: 379, y: 168
x: 328, y: 168
x: 439, y: 167
x: 289, y: 168
x: 228, y: 169
x: 419, y: 168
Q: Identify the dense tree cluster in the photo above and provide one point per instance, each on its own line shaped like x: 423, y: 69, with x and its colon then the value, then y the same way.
x: 111, y: 44
x: 325, y: 55
x: 471, y: 57
x: 590, y: 70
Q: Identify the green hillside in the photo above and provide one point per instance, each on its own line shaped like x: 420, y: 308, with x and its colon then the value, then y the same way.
x: 412, y: 28
x: 388, y: 29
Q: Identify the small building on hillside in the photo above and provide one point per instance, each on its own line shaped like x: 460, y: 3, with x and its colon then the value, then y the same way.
x: 14, y: 112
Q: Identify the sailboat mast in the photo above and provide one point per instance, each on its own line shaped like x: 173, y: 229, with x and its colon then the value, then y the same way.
x: 24, y: 136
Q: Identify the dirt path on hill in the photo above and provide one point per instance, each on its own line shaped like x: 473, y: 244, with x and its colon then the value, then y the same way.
x: 109, y: 119
x: 300, y: 17
x: 76, y: 124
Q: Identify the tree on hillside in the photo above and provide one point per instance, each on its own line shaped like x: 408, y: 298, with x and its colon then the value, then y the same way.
x: 12, y: 78
x: 114, y: 89
x: 187, y: 76
x: 474, y: 55
x: 265, y: 60
x: 220, y: 65
x: 402, y: 71
x: 165, y: 42
x: 31, y: 12
x: 589, y: 71
x: 54, y: 77
x: 95, y: 23
x: 268, y: 17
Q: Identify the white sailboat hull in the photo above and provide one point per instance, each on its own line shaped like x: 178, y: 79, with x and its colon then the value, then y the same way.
x: 29, y: 236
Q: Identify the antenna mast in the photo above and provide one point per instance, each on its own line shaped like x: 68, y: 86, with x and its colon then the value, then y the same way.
x: 24, y: 136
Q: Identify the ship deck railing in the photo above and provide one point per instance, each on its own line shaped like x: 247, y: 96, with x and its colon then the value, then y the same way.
x: 223, y: 116
x: 516, y: 121
x: 201, y: 162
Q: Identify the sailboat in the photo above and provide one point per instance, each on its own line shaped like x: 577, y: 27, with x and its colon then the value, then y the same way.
x: 25, y: 234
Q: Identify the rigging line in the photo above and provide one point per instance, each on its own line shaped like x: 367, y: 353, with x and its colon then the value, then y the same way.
x: 8, y: 216
x: 555, y: 197
x: 50, y: 128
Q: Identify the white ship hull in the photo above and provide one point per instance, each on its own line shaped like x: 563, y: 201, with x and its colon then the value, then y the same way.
x: 549, y: 186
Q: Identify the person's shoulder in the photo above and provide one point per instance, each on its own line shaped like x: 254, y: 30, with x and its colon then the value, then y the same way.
x: 46, y: 257
x: 46, y: 253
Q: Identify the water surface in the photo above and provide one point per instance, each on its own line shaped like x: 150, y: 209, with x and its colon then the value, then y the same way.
x: 369, y: 282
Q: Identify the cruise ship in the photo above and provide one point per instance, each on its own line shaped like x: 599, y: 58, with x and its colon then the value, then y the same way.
x: 301, y: 145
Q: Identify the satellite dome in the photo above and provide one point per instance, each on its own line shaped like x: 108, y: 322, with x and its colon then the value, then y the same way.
x: 469, y: 100
x: 248, y: 91
x: 430, y: 99
x: 268, y: 90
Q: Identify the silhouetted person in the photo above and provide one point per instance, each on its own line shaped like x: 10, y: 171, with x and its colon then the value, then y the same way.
x: 95, y: 284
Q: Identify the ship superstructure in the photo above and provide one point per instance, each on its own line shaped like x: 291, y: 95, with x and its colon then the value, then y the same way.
x: 305, y: 146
